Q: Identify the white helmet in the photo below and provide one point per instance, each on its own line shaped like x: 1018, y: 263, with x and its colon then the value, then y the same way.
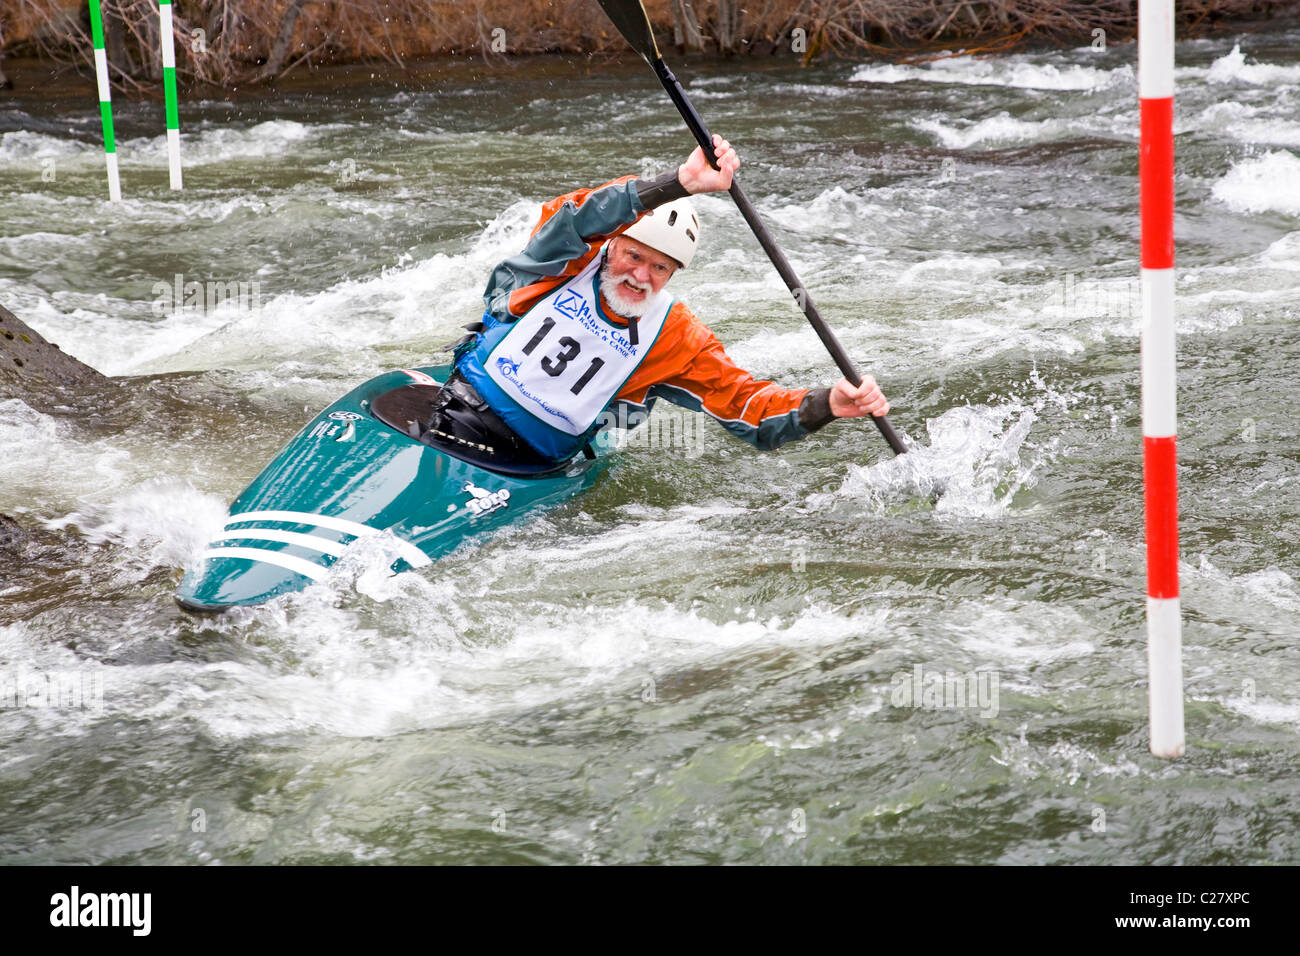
x: 672, y: 228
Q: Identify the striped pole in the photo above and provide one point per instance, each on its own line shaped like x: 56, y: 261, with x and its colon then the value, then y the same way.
x: 1159, y: 366
x: 169, y: 91
x: 105, y: 101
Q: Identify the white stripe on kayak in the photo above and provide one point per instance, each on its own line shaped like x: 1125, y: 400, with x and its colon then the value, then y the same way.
x: 297, y: 565
x: 409, y: 552
x: 286, y: 537
x: 354, y: 528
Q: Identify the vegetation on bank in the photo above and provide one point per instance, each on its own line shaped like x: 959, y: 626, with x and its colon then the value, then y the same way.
x: 229, y: 42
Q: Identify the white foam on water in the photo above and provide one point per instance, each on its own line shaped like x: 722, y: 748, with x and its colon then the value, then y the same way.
x: 1246, y: 124
x: 1009, y: 327
x: 1003, y: 129
x: 46, y: 688
x: 958, y: 270
x: 992, y: 130
x: 834, y: 211
x: 1063, y: 761
x: 161, y: 522
x: 103, y: 339
x: 953, y: 306
x: 1270, y: 585
x: 205, y: 145
x: 123, y: 336
x: 223, y: 142
x: 971, y: 461
x: 708, y: 82
x: 41, y: 246
x: 815, y: 738
x: 120, y: 488
x: 321, y: 663
x: 1020, y: 634
x: 815, y: 91
x: 1265, y: 710
x: 23, y: 429
x: 789, y: 358
x: 997, y: 130
x: 25, y: 147
x: 34, y: 471
x: 1273, y: 585
x: 324, y: 669
x: 429, y: 298
x: 643, y: 529
x: 1009, y: 71
x: 1283, y: 254
x: 1233, y: 68
x: 973, y: 464
x: 1268, y: 183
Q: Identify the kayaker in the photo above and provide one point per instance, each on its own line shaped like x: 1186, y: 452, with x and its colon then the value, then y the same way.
x: 578, y: 325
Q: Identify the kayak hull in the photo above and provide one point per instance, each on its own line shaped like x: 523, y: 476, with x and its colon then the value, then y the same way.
x: 346, y: 476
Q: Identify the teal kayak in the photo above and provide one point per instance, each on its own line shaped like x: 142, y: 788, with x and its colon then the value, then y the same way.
x: 356, y: 470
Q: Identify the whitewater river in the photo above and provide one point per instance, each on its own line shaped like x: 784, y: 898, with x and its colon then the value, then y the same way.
x: 710, y: 656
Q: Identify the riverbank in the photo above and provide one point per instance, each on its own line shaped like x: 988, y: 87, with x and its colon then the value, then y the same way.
x: 35, y: 79
x: 270, y: 40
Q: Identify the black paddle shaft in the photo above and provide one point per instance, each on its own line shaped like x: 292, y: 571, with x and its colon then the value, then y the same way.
x: 801, y: 294
x: 630, y: 18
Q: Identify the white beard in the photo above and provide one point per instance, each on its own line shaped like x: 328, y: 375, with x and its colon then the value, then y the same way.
x: 619, y: 304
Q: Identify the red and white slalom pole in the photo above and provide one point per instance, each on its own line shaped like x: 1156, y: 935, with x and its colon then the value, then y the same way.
x: 1159, y: 372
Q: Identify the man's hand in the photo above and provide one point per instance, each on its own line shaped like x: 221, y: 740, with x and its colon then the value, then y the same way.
x: 848, y: 401
x: 697, y: 176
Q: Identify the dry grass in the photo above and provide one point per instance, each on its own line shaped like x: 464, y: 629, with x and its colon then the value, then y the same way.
x: 228, y: 42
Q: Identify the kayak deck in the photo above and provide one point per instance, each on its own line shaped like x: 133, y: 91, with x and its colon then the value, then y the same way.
x: 409, y: 408
x: 354, y: 472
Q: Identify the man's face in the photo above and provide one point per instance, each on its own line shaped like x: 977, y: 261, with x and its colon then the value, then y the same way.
x: 633, y: 273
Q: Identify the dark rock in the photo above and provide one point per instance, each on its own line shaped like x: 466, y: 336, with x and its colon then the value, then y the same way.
x: 31, y: 367
x: 11, y: 534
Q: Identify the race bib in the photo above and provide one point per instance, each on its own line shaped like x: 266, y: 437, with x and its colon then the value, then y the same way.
x: 563, y: 361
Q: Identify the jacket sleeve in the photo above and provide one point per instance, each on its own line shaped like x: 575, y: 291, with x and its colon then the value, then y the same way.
x: 702, y: 377
x: 570, y: 232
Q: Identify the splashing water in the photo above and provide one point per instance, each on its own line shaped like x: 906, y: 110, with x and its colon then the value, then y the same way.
x: 970, y: 467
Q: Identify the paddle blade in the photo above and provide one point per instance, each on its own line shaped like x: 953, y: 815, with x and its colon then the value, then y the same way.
x: 630, y: 18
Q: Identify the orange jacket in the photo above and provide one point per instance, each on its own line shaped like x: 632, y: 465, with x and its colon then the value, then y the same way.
x: 687, y: 365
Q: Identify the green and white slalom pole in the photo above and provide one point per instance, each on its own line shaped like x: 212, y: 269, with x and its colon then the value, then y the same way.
x: 105, y: 101
x: 169, y: 91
